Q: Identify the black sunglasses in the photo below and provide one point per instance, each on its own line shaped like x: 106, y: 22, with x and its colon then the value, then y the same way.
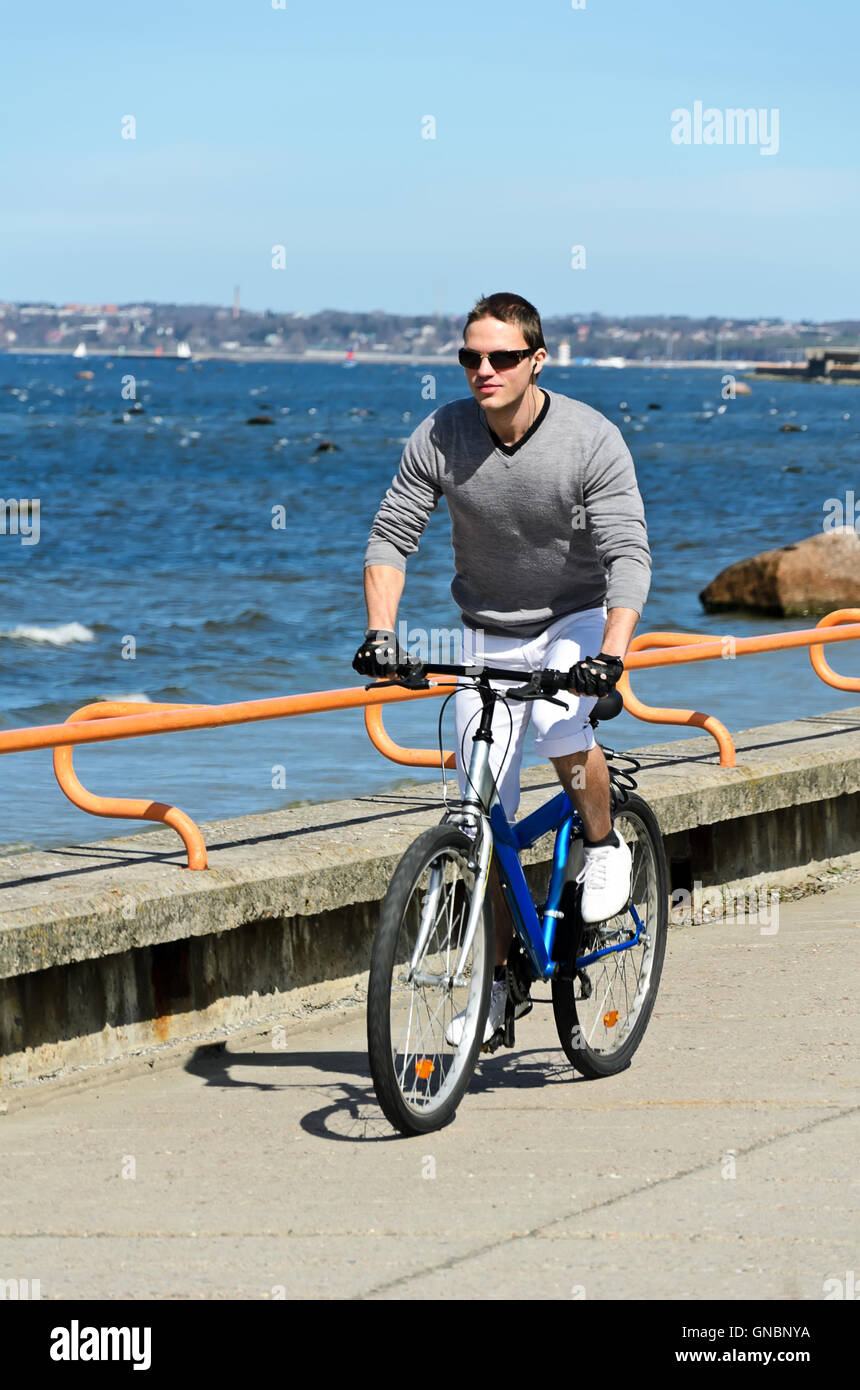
x: 500, y: 361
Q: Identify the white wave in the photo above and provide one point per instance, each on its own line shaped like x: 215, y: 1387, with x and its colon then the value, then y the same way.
x: 59, y: 636
x: 137, y: 697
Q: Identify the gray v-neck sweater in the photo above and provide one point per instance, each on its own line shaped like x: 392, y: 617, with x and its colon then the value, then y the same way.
x: 551, y: 525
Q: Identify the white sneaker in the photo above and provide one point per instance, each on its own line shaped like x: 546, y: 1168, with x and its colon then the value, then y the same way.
x: 605, y: 880
x: 495, y: 1017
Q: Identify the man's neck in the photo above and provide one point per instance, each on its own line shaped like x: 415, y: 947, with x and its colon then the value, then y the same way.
x: 510, y: 426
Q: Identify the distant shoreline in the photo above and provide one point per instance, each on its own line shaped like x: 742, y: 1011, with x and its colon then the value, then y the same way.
x: 337, y: 355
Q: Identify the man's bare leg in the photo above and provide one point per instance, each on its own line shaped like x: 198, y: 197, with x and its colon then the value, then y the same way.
x: 501, y: 917
x: 585, y: 778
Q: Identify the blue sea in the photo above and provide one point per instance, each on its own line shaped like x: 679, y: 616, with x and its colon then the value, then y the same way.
x: 157, y: 527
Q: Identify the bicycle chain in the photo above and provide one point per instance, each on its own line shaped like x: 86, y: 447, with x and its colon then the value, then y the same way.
x: 518, y: 980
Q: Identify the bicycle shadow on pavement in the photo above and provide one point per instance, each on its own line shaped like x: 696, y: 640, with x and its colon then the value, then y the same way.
x: 350, y: 1112
x: 523, y: 1070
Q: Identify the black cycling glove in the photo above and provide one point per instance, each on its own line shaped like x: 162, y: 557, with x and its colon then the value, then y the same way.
x: 380, y: 654
x: 596, y: 675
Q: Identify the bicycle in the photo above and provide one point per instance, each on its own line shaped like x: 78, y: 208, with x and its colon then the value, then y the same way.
x: 434, y: 949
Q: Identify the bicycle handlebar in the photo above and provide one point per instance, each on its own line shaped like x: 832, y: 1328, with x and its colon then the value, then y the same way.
x: 540, y: 685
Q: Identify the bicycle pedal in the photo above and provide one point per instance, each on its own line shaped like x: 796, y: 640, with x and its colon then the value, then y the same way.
x: 495, y: 1042
x: 603, y: 928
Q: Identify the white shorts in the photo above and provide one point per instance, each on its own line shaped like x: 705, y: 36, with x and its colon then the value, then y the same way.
x: 557, y: 731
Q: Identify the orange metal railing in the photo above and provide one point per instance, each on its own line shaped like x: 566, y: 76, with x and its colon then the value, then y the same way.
x: 123, y: 807
x: 816, y: 654
x: 106, y: 720
x: 681, y: 647
x: 652, y: 649
x: 109, y: 720
x: 408, y: 757
x: 654, y: 714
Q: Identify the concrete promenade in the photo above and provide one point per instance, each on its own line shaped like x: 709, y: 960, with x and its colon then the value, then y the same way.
x: 722, y: 1164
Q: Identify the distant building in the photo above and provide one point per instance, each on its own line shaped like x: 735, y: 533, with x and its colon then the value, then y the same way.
x: 822, y: 364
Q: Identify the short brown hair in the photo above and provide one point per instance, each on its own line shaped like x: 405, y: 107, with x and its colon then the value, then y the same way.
x: 513, y: 309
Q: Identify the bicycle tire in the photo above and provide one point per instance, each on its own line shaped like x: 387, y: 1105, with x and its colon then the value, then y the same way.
x: 447, y: 1069
x: 624, y: 979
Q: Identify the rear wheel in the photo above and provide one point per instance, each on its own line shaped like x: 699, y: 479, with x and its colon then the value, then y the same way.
x: 602, y: 1012
x: 415, y: 992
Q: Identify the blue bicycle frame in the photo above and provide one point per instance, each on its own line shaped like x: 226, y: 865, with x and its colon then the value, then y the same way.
x: 538, y: 938
x: 481, y: 803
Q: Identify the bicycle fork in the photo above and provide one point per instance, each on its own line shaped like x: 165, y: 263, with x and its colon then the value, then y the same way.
x: 482, y: 793
x: 481, y: 867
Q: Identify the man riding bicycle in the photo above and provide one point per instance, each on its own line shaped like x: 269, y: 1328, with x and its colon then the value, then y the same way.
x: 552, y: 570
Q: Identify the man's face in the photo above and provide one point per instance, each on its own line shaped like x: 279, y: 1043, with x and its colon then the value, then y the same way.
x: 496, y: 390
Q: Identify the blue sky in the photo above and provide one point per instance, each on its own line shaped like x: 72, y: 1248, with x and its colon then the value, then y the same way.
x: 301, y: 127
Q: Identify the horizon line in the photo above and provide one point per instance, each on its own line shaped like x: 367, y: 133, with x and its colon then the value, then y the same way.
x: 92, y: 305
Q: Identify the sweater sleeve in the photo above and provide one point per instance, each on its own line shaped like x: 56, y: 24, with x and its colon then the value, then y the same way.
x: 615, y: 516
x: 406, y: 506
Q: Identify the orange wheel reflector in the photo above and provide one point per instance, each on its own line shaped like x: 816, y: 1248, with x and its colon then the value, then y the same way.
x: 424, y: 1068
x: 611, y: 1018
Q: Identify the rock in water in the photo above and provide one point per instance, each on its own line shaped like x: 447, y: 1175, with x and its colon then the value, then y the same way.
x: 814, y: 575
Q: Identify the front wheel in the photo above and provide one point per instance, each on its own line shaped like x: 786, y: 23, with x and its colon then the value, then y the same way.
x: 426, y: 1018
x: 602, y: 1012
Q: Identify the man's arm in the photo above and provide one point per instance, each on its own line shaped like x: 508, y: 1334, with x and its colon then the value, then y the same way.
x: 616, y: 519
x: 599, y: 674
x: 406, y: 506
x: 620, y: 626
x: 394, y: 535
x: 383, y: 587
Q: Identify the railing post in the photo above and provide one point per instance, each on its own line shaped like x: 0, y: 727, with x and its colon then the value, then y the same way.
x: 119, y: 807
x: 816, y: 653
x: 657, y: 715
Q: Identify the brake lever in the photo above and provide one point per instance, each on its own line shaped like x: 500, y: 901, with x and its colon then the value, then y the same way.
x: 532, y: 691
x: 415, y: 682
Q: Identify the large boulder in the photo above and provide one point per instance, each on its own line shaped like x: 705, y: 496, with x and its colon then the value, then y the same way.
x: 814, y: 575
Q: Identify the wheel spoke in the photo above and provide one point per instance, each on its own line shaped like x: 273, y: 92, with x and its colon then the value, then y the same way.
x: 426, y: 1070
x: 613, y: 1016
